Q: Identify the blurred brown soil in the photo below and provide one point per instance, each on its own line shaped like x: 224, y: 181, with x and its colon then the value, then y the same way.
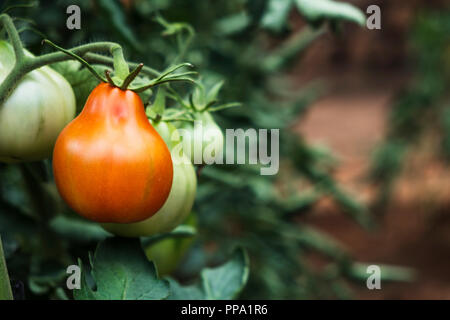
x: 415, y: 229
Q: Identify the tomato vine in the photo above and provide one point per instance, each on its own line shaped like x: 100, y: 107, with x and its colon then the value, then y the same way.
x: 84, y: 53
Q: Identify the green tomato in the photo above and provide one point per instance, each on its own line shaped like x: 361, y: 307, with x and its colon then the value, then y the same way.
x: 204, y: 142
x: 181, y: 197
x: 32, y: 117
x: 168, y: 253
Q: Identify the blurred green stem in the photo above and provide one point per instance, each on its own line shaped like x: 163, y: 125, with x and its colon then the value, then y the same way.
x: 26, y: 63
x: 183, y: 44
x: 291, y: 48
x: 5, y: 286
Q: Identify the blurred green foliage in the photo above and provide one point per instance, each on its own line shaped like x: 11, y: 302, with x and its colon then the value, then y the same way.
x: 422, y: 106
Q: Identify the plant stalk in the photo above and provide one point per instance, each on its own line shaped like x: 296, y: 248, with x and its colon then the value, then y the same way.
x: 7, y: 22
x: 28, y: 64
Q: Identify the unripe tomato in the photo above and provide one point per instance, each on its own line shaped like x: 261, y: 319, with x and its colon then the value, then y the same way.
x: 109, y: 163
x: 198, y: 139
x: 35, y: 113
x: 180, y: 200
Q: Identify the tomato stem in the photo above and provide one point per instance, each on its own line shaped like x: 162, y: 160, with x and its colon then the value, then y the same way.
x: 168, y: 76
x: 54, y: 57
x: 120, y: 65
x: 100, y: 59
x: 7, y: 22
x: 84, y: 54
x: 109, y: 79
x: 290, y: 49
x: 78, y: 58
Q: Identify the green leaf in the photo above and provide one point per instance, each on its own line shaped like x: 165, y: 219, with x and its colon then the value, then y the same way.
x: 228, y: 280
x: 174, y: 68
x: 214, y: 91
x: 160, y: 102
x: 121, y: 271
x: 317, y: 10
x: 114, y: 13
x: 233, y: 24
x: 221, y: 283
x: 173, y: 114
x: 275, y: 17
x: 290, y: 49
x: 179, y: 292
x: 198, y: 99
x: 224, y: 106
x: 46, y: 279
x: 172, y: 28
x: 313, y: 238
x: 166, y: 76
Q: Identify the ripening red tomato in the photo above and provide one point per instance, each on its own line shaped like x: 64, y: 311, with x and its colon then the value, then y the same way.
x: 109, y: 163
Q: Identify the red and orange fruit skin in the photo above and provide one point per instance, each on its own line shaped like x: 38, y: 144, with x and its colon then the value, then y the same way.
x: 109, y: 163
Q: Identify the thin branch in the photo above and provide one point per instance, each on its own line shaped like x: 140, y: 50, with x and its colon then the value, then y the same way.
x: 7, y: 22
x: 109, y: 79
x: 100, y: 59
x: 5, y: 286
x: 120, y: 65
x: 131, y: 77
x: 76, y: 57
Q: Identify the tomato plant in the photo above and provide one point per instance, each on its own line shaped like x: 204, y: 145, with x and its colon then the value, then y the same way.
x: 180, y: 200
x: 35, y: 112
x: 203, y: 139
x: 113, y: 166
